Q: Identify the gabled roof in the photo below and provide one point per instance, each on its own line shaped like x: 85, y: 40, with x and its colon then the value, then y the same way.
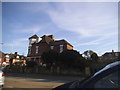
x: 110, y: 53
x: 34, y: 36
x: 58, y: 42
x: 50, y: 40
x: 46, y: 39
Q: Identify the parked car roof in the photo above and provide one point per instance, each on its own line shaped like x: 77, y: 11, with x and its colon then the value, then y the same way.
x: 90, y: 81
x: 107, y: 67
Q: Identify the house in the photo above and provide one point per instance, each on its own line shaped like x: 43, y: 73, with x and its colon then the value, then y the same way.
x: 111, y: 54
x: 7, y: 59
x: 1, y: 57
x: 39, y: 45
x: 14, y: 58
x: 4, y: 59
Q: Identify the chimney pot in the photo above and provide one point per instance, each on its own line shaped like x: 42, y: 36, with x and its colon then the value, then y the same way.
x: 51, y: 36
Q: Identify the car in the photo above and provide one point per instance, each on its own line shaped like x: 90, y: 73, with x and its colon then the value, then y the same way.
x: 2, y: 78
x: 108, y: 77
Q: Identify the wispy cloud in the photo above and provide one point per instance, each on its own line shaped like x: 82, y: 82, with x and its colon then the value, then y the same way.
x: 90, y: 23
x: 34, y: 30
x: 113, y: 45
x: 86, y: 19
x: 17, y: 43
x: 98, y: 41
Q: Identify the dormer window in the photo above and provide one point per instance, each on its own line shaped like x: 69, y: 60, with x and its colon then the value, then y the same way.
x: 38, y: 40
x: 37, y: 49
x: 32, y: 40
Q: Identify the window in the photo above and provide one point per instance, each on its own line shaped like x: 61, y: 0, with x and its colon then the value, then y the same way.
x: 51, y: 47
x: 17, y: 57
x: 37, y: 47
x: 110, y: 81
x: 32, y: 41
x: 29, y: 50
x: 61, y: 48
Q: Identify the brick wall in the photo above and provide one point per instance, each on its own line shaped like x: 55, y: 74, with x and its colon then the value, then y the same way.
x: 42, y: 48
x: 69, y: 47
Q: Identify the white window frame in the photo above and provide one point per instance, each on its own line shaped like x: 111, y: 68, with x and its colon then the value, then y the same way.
x: 37, y: 49
x: 17, y: 57
x: 61, y: 48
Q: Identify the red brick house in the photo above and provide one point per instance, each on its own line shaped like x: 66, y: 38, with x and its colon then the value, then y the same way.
x: 1, y: 57
x: 38, y: 45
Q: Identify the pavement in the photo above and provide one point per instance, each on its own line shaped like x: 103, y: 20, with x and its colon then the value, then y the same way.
x: 36, y: 81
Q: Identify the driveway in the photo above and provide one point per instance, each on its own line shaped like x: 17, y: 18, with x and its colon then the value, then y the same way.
x: 36, y: 80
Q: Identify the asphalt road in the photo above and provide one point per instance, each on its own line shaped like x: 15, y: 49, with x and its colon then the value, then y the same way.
x: 36, y: 80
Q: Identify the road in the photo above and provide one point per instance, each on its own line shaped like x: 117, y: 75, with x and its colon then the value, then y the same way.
x: 36, y: 80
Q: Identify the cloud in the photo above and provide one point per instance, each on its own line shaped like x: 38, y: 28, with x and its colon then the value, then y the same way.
x: 34, y: 30
x: 109, y: 44
x: 91, y: 23
x: 85, y: 19
x: 105, y: 47
x: 98, y: 41
x: 98, y: 21
x: 17, y: 43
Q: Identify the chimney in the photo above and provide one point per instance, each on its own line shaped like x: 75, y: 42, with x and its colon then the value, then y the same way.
x: 51, y: 36
x: 16, y: 53
x: 112, y: 51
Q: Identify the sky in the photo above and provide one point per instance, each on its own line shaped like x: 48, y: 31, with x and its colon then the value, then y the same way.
x: 85, y: 25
